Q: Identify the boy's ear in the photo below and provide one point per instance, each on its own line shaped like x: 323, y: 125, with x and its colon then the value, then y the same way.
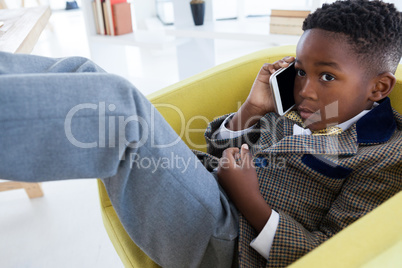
x: 383, y: 85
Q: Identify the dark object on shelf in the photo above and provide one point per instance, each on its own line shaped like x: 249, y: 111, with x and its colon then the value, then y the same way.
x: 71, y: 5
x: 198, y: 11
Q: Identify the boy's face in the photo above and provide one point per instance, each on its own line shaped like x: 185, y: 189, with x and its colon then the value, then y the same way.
x: 331, y: 86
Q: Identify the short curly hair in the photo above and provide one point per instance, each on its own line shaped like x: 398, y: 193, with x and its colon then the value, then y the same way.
x: 372, y: 28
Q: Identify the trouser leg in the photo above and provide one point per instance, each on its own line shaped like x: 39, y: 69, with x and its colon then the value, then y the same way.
x: 84, y: 125
x: 190, y: 215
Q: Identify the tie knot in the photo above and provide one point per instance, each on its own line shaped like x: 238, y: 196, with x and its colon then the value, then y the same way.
x: 331, y: 130
x: 294, y: 116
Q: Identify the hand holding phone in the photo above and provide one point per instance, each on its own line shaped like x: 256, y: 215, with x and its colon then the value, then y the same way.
x: 260, y: 100
x: 261, y: 96
x: 282, y: 86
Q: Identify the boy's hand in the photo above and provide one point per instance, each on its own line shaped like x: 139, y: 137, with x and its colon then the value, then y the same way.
x: 238, y: 177
x: 260, y: 100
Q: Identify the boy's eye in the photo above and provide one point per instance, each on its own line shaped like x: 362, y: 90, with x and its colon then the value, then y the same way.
x: 327, y: 77
x: 301, y: 72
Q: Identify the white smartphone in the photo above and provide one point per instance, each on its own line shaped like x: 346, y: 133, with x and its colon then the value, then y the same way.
x: 282, y: 83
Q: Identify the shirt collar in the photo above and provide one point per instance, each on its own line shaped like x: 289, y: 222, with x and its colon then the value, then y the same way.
x: 297, y: 130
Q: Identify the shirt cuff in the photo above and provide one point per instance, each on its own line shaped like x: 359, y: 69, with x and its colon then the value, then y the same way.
x: 263, y: 242
x: 224, y: 133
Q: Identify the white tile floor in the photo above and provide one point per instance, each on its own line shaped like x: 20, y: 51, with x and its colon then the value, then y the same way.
x: 64, y: 228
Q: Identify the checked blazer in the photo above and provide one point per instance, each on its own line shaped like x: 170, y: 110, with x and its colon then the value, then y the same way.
x: 317, y: 184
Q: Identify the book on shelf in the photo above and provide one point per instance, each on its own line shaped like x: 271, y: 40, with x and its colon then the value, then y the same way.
x: 287, y: 21
x: 289, y: 13
x: 122, y: 18
x: 95, y: 17
x: 98, y: 16
x: 283, y: 29
x: 108, y: 20
x: 112, y: 17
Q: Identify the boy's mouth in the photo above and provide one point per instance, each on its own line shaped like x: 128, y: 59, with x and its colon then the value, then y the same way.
x: 305, y: 113
x: 309, y: 116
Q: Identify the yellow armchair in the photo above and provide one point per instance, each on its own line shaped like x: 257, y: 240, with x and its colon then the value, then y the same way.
x: 376, y: 238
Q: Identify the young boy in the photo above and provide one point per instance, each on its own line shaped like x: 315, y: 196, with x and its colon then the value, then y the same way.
x: 179, y: 216
x: 345, y: 63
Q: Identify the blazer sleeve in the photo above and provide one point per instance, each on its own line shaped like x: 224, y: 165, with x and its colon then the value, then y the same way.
x: 363, y: 191
x: 216, y: 147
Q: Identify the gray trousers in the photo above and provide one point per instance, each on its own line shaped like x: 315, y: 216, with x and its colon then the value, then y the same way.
x: 66, y: 118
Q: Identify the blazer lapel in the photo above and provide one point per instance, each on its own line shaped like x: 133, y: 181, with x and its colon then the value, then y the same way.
x: 375, y: 127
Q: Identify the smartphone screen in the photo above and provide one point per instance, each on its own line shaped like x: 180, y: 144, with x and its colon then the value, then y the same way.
x: 282, y: 85
x: 286, y: 83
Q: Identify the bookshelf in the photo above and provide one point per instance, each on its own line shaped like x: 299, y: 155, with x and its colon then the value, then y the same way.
x: 141, y: 38
x: 250, y: 29
x: 137, y: 38
x: 102, y: 46
x: 192, y: 42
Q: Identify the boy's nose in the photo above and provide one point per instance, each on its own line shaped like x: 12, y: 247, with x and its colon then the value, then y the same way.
x: 308, y: 90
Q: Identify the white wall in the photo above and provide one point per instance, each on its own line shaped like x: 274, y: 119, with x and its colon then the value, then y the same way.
x: 143, y: 9
x: 397, y: 3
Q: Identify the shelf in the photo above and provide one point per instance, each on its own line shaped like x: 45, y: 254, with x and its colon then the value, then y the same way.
x: 161, y: 37
x: 250, y: 29
x: 140, y: 38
